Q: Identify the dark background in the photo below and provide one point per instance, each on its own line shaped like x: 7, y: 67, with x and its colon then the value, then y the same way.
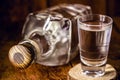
x: 14, y: 12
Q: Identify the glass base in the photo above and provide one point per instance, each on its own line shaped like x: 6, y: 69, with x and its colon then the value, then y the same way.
x: 93, y: 71
x: 76, y: 73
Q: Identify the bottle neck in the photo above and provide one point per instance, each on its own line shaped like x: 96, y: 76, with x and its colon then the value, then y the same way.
x: 23, y: 54
x: 32, y: 46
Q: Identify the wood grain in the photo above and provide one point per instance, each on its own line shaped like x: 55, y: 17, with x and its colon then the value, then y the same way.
x: 40, y: 72
x: 75, y: 73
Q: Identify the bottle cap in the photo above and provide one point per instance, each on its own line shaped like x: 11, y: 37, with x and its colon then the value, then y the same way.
x: 20, y: 56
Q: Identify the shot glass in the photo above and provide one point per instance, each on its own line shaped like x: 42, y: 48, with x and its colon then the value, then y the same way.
x: 94, y: 32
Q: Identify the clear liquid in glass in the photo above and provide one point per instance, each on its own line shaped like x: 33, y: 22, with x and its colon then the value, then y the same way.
x: 94, y: 45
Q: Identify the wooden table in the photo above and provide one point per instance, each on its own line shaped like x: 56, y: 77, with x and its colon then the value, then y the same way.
x: 40, y: 72
x: 34, y: 72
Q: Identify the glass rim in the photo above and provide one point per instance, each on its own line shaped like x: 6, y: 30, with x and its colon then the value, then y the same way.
x: 100, y: 15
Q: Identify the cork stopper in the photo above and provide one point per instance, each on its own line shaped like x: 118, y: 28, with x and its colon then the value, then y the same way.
x: 21, y: 56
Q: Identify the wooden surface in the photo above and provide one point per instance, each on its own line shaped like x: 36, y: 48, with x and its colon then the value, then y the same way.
x: 39, y: 72
x: 75, y: 73
x: 13, y: 14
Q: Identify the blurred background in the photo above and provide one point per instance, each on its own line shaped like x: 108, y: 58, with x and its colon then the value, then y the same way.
x: 14, y: 12
x: 13, y: 15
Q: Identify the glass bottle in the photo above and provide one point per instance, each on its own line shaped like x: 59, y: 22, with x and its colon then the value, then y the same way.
x: 47, y: 41
x: 50, y: 37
